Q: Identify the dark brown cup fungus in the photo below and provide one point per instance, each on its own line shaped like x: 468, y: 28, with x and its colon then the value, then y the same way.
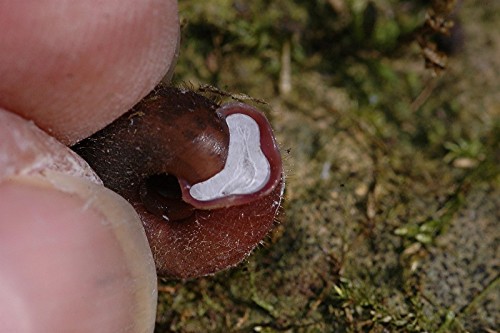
x: 205, y: 179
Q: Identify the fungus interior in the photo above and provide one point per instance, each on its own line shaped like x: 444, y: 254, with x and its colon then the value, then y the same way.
x: 246, y: 171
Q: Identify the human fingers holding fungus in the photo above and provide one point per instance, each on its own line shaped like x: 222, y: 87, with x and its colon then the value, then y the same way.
x: 74, y: 255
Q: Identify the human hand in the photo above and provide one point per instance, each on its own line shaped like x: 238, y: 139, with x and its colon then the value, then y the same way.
x: 73, y: 255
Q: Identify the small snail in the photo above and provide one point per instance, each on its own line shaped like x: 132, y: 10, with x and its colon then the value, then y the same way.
x: 206, y: 179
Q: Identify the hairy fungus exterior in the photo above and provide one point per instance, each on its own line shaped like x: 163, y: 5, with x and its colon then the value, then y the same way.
x: 205, y: 179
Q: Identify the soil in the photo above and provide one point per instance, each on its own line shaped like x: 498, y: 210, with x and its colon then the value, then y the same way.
x: 392, y: 209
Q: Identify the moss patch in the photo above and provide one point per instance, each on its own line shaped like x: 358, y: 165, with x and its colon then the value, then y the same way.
x: 390, y: 222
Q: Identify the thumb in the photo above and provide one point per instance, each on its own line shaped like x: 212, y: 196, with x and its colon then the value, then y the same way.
x: 74, y: 255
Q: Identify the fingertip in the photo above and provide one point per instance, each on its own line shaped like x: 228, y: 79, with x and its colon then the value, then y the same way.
x: 74, y: 255
x: 73, y: 67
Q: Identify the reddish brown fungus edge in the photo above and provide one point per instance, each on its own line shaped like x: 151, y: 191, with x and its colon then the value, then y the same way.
x: 148, y: 140
x: 269, y: 148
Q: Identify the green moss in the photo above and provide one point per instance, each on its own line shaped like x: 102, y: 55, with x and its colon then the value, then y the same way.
x: 393, y: 179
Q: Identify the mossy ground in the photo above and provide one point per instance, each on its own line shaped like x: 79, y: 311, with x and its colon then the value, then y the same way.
x: 391, y: 217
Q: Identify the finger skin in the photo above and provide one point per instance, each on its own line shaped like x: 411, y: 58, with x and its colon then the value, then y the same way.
x: 27, y: 150
x: 62, y: 269
x: 74, y: 256
x: 74, y: 66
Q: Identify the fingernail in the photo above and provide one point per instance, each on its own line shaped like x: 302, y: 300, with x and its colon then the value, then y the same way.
x: 78, y: 247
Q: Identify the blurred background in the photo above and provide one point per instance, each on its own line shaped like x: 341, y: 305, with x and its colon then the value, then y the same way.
x: 388, y: 117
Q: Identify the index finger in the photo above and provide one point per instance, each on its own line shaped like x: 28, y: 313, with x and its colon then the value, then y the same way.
x: 74, y: 66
